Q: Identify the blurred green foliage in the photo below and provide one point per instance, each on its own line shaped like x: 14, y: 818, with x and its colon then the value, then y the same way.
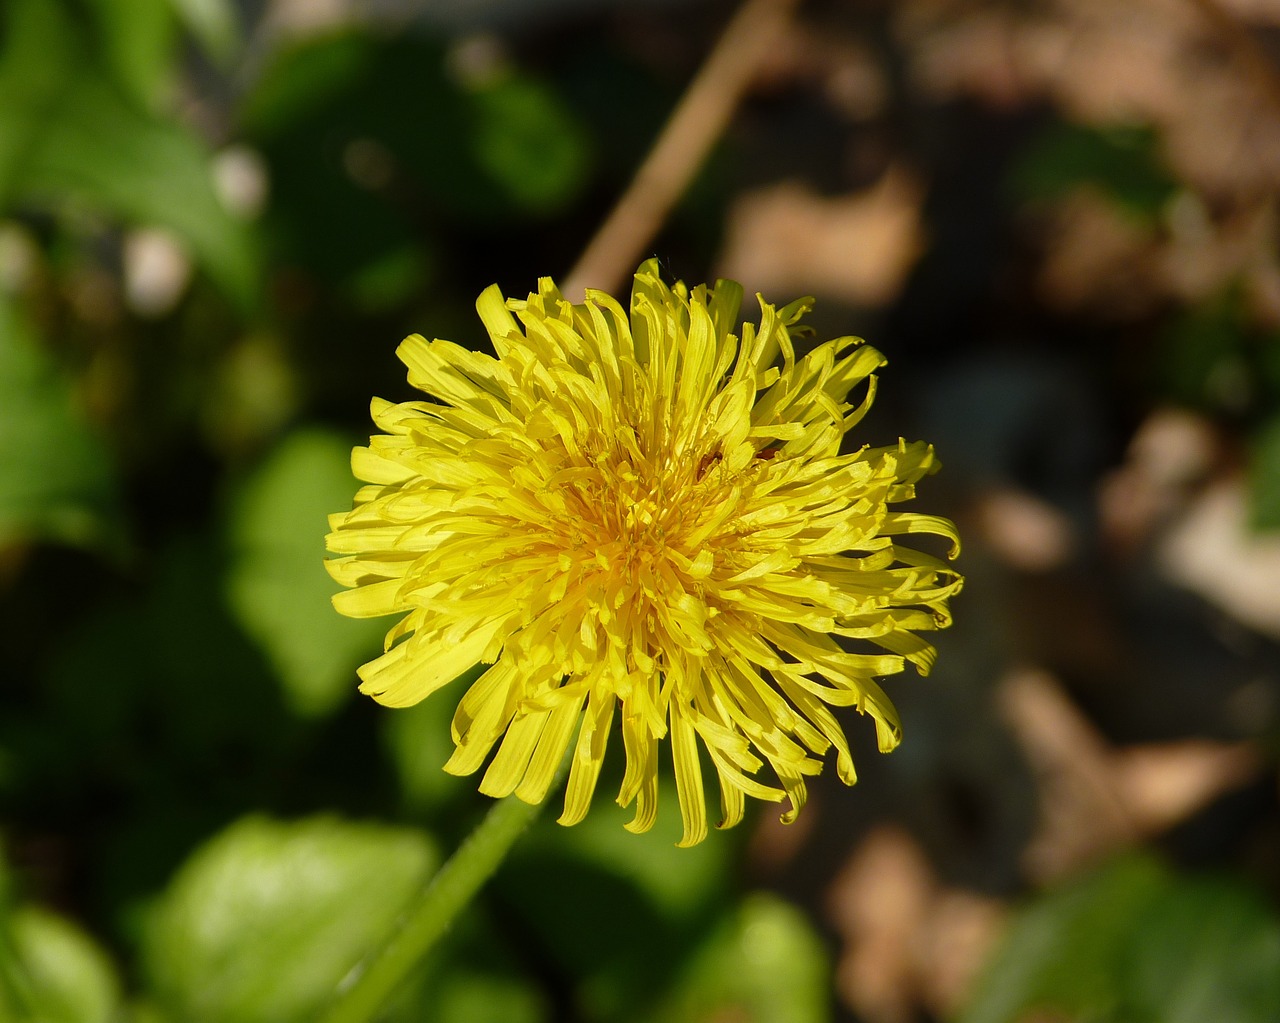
x: 1265, y: 470
x: 56, y: 973
x: 77, y: 127
x: 55, y: 481
x: 277, y: 587
x: 1120, y: 161
x: 1133, y: 942
x: 1216, y: 360
x: 255, y: 927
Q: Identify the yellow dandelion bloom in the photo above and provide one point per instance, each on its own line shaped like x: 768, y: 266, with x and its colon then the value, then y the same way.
x: 640, y: 514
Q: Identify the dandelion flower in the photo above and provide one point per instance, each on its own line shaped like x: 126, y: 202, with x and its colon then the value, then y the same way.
x: 639, y: 514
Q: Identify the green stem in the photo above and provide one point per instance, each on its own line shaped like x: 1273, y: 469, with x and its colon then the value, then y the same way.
x: 448, y: 893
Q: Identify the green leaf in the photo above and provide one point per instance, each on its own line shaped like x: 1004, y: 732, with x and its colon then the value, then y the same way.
x: 277, y: 587
x: 1063, y: 950
x: 66, y: 977
x: 524, y: 138
x: 137, y: 44
x: 1121, y: 161
x: 214, y: 25
x: 571, y: 885
x: 479, y: 975
x: 389, y: 280
x: 146, y: 170
x: 340, y: 118
x: 55, y: 476
x: 69, y: 131
x: 764, y: 963
x: 263, y: 922
x: 1207, y: 950
x: 306, y: 78
x: 466, y: 995
x: 1204, y: 357
x: 418, y: 742
x: 1264, y: 475
x: 680, y: 883
x: 377, y: 134
x: 1132, y: 942
x: 37, y: 57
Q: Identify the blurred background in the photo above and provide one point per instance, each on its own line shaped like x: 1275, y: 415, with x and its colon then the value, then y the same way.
x: 1057, y: 218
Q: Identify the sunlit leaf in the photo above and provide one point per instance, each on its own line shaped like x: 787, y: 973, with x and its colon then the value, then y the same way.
x: 213, y: 23
x: 276, y: 584
x: 64, y: 976
x: 137, y: 43
x: 764, y: 963
x: 465, y: 995
x: 266, y: 919
x: 143, y: 169
x: 36, y: 54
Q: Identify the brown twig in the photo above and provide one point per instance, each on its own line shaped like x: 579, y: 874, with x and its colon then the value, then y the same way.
x: 693, y: 128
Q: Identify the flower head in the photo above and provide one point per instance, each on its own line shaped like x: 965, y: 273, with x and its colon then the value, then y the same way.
x: 639, y: 514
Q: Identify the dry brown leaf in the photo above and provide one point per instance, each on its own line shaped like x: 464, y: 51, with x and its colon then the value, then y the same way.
x: 1172, y: 451
x: 1261, y: 12
x: 909, y: 941
x: 1164, y: 783
x: 979, y: 55
x: 878, y: 903
x: 1097, y: 257
x: 1024, y: 531
x: 1211, y: 550
x: 1095, y: 798
x: 1082, y: 816
x: 960, y: 931
x: 788, y: 239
